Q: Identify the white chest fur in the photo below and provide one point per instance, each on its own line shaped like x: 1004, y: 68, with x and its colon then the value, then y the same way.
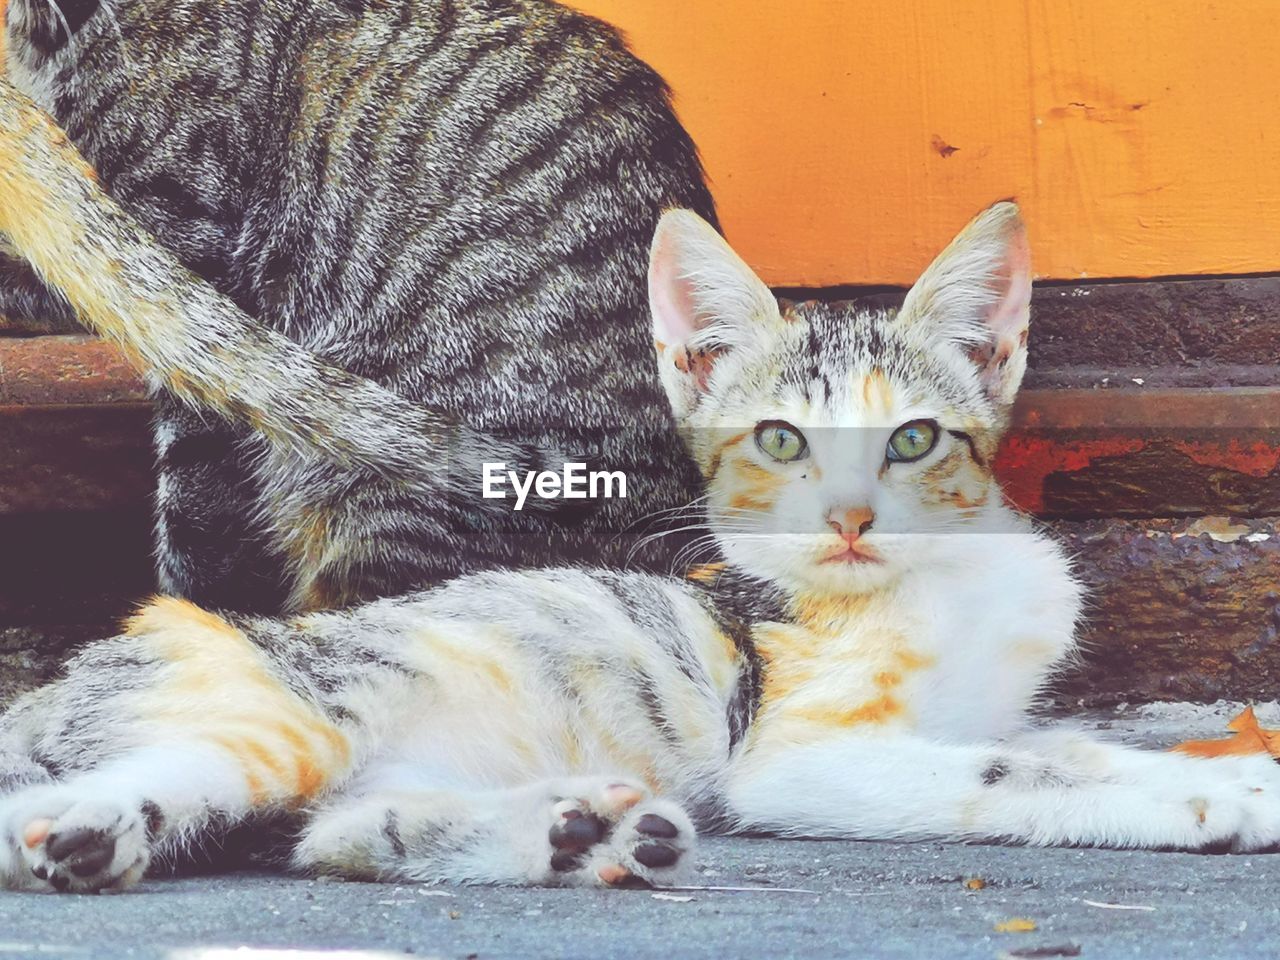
x: 954, y: 651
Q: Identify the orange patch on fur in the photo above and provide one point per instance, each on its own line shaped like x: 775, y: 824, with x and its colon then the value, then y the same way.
x: 759, y: 480
x: 219, y: 689
x: 796, y: 656
x: 162, y: 614
x: 750, y: 486
x: 281, y: 763
x: 878, y: 711
x: 877, y: 392
x: 788, y: 654
x: 254, y: 760
x: 717, y: 455
x: 259, y: 796
x: 910, y: 660
x: 742, y: 501
x: 307, y: 546
x: 470, y: 661
x: 705, y: 572
x: 311, y: 772
x: 823, y: 612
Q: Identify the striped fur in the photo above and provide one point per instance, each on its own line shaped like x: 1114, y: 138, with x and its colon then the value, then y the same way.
x: 446, y: 204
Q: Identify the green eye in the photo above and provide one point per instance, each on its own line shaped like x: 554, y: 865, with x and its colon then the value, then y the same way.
x: 781, y: 441
x: 911, y: 441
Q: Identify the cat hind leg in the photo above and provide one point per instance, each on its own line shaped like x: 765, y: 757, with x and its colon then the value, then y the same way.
x: 573, y: 831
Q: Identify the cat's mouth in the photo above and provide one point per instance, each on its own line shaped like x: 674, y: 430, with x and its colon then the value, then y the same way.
x: 848, y: 553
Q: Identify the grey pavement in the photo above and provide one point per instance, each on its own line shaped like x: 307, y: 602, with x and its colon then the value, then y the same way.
x: 804, y: 899
x: 860, y: 900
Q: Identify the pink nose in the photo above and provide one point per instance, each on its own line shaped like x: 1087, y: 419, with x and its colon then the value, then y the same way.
x: 852, y: 523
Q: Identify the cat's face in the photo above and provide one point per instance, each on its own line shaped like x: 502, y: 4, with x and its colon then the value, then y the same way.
x: 839, y: 444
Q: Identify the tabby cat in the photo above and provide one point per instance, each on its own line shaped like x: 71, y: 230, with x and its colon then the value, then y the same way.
x: 451, y: 198
x: 859, y: 663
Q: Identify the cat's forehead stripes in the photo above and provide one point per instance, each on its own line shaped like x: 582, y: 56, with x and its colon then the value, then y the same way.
x: 847, y: 359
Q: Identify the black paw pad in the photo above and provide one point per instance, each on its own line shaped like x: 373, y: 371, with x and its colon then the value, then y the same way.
x: 655, y: 826
x: 573, y: 834
x: 92, y: 860
x: 577, y: 830
x: 59, y: 846
x: 656, y: 855
x: 84, y: 852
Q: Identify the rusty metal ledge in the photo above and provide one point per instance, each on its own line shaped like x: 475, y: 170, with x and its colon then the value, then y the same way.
x: 73, y: 414
x: 61, y: 370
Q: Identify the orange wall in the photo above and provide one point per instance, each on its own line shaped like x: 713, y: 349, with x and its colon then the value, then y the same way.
x: 848, y: 139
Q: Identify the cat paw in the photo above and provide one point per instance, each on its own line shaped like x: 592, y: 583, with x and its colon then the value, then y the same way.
x: 69, y: 844
x: 614, y: 834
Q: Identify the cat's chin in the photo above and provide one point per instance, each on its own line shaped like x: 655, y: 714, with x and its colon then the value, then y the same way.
x: 842, y: 577
x: 833, y: 577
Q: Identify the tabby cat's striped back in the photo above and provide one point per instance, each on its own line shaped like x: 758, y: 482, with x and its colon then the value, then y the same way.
x: 451, y: 197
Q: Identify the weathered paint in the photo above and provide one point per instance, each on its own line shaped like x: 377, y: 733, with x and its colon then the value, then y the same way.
x: 847, y: 140
x: 1257, y: 459
x: 1024, y: 461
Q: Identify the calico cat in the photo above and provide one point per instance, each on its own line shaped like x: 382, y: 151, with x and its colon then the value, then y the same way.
x: 858, y: 663
x: 450, y: 198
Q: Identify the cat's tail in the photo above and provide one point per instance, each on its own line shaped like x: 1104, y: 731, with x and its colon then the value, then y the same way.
x: 185, y: 335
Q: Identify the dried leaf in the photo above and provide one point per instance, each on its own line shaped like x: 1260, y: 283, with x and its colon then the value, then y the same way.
x: 975, y: 883
x: 1218, y: 528
x: 1249, y: 737
x: 1016, y: 925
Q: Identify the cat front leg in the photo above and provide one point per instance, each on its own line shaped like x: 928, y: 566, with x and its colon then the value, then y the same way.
x: 573, y: 831
x: 909, y: 788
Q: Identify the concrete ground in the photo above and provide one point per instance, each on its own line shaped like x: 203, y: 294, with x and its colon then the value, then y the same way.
x: 806, y: 899
x: 802, y: 899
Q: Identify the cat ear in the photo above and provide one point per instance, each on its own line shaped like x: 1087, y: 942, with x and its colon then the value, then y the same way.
x: 977, y: 294
x: 706, y: 304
